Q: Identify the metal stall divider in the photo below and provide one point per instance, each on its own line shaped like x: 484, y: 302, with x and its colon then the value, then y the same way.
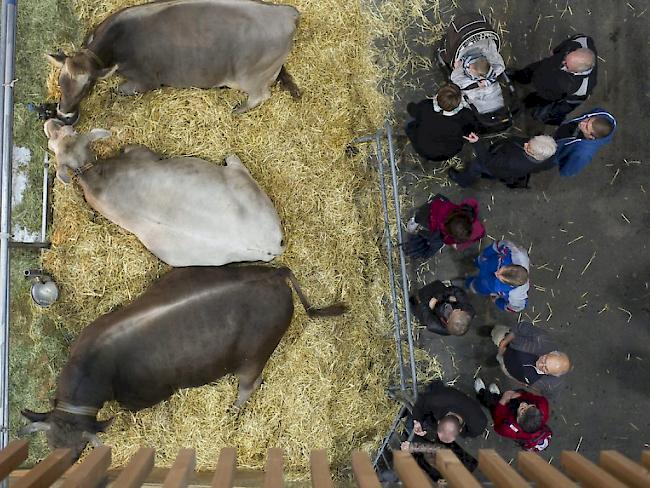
x: 8, y: 42
x: 407, y: 372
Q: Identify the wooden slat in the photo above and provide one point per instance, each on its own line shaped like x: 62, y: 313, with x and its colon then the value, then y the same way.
x: 533, y: 467
x: 409, y: 471
x: 183, y: 467
x: 12, y: 456
x: 225, y: 472
x: 645, y: 459
x: 320, y: 470
x: 587, y: 473
x: 91, y: 471
x: 137, y: 470
x: 47, y: 471
x: 454, y: 472
x: 625, y: 469
x: 498, y: 471
x: 273, y: 470
x: 364, y: 474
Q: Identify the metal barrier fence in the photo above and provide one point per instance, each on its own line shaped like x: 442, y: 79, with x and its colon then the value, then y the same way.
x: 403, y: 328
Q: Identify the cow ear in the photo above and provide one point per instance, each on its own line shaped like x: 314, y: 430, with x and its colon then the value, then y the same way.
x: 103, y: 425
x: 35, y: 416
x: 96, y: 134
x: 106, y: 72
x: 56, y: 59
x: 63, y: 173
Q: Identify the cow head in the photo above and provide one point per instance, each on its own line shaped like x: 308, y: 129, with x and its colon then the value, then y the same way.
x: 79, y: 72
x: 71, y: 149
x: 65, y: 430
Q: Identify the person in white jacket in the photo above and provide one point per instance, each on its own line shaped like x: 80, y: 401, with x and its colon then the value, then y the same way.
x: 475, y: 71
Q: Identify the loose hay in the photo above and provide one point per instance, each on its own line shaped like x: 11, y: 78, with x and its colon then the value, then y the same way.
x: 325, y: 384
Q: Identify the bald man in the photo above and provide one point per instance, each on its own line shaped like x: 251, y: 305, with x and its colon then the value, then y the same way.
x: 528, y: 355
x: 562, y: 81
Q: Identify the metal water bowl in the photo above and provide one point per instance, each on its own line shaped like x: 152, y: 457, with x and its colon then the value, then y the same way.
x: 44, y: 291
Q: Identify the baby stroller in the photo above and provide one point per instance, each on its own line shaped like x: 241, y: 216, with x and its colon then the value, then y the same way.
x: 466, y: 33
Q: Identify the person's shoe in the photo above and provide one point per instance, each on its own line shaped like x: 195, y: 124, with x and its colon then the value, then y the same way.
x: 494, y: 389
x: 479, y: 385
x: 454, y: 175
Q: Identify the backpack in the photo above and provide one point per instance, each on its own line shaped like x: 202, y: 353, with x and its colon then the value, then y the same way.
x: 540, y: 442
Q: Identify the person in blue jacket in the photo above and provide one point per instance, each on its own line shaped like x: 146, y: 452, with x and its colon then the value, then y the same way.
x: 503, y: 275
x: 578, y: 140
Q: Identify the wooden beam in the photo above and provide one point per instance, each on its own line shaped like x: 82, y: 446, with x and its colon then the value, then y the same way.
x: 45, y: 473
x: 536, y: 469
x: 320, y: 469
x: 91, y: 471
x: 273, y: 470
x: 182, y: 469
x: 625, y: 469
x: 409, y: 472
x: 225, y: 472
x: 645, y: 459
x: 498, y: 471
x: 13, y: 456
x: 587, y: 473
x: 137, y: 470
x: 363, y: 471
x: 453, y: 471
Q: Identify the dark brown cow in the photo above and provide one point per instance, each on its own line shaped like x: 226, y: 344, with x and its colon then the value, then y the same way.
x: 189, y: 329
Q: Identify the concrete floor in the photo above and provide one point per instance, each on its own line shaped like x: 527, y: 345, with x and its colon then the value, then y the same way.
x: 601, y: 316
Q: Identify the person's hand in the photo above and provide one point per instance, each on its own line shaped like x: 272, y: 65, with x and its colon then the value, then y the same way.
x: 405, y: 446
x: 503, y: 345
x: 483, y: 83
x: 458, y: 64
x: 509, y: 395
x: 432, y: 303
x: 494, y: 297
x: 471, y: 138
x: 455, y: 246
x: 417, y: 429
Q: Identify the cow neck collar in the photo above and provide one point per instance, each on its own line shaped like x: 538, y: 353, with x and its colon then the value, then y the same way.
x: 95, y: 58
x: 82, y: 169
x: 76, y: 410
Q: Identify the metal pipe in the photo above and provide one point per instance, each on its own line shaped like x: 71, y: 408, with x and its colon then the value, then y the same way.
x: 8, y: 48
x: 402, y: 260
x: 389, y: 251
x: 46, y: 189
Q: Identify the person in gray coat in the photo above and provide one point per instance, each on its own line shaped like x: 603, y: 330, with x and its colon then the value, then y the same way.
x: 528, y: 355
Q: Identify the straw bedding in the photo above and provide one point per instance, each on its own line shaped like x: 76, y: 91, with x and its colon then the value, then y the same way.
x: 325, y: 384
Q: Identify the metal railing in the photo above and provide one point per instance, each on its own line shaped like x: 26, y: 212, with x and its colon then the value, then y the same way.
x: 399, y: 285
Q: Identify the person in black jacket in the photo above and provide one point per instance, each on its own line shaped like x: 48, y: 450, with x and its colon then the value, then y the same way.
x: 441, y: 126
x: 444, y: 310
x: 562, y: 81
x: 439, y: 416
x: 512, y: 161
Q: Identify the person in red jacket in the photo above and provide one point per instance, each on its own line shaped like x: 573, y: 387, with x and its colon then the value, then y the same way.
x: 441, y: 221
x: 517, y: 415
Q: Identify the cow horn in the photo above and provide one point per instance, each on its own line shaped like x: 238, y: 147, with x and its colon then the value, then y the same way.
x: 92, y: 438
x: 34, y: 427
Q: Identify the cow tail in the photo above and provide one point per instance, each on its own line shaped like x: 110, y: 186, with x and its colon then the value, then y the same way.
x: 286, y: 82
x: 330, y: 311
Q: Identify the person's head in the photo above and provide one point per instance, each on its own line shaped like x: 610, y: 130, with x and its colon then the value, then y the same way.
x: 529, y: 417
x: 554, y: 363
x: 540, y: 147
x: 481, y: 66
x: 580, y: 60
x: 512, y: 274
x: 596, y: 127
x: 448, y: 429
x: 458, y: 322
x: 458, y: 225
x: 449, y: 97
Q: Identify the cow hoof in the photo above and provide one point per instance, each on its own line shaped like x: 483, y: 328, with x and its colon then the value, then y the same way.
x: 240, y: 108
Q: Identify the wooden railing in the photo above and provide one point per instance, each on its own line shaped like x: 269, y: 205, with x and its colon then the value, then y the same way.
x: 613, y: 470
